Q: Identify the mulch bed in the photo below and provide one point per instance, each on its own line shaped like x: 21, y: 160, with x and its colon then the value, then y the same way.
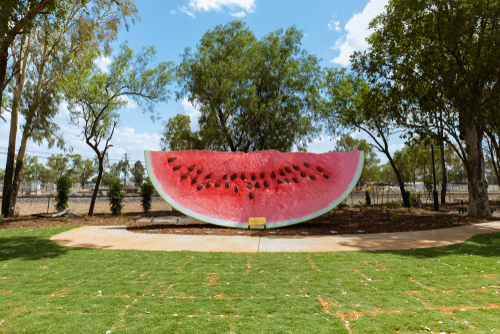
x: 369, y: 220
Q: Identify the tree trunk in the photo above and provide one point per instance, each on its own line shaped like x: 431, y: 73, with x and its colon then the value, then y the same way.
x: 406, y: 200
x: 443, y: 172
x: 4, y: 58
x: 478, y: 193
x: 9, y: 167
x: 19, y: 169
x: 96, y: 188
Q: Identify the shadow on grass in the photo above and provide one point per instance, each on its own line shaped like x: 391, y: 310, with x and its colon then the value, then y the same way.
x: 486, y: 245
x: 30, y: 248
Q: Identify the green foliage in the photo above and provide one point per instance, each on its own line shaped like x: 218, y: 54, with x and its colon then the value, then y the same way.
x: 58, y: 163
x: 81, y: 170
x: 146, y: 194
x: 63, y: 191
x: 87, y: 218
x: 64, y: 219
x: 371, y: 170
x: 106, y: 215
x: 107, y: 179
x: 138, y: 173
x: 178, y: 136
x: 1, y: 216
x: 395, y: 216
x: 116, y: 195
x: 252, y: 94
x: 2, y: 174
x: 368, y: 200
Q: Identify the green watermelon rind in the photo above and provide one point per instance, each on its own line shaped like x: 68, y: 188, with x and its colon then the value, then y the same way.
x: 215, y: 221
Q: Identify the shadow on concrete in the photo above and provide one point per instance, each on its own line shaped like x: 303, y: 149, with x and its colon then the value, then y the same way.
x: 486, y: 245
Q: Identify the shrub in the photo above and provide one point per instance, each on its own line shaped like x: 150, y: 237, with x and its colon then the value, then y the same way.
x: 116, y: 195
x: 146, y: 194
x: 395, y: 216
x: 1, y: 217
x: 63, y: 191
x: 368, y: 199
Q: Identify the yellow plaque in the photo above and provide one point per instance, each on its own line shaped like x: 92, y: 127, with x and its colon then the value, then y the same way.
x: 257, y: 221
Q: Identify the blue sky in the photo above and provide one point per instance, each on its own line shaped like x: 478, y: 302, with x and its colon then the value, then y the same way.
x: 333, y: 30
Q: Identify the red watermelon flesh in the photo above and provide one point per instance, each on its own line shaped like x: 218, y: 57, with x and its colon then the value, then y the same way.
x: 304, y: 186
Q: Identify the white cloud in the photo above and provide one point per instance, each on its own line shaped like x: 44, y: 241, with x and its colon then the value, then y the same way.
x: 239, y: 14
x: 103, y: 63
x: 357, y: 32
x: 173, y: 12
x: 193, y: 113
x: 185, y: 10
x: 334, y: 25
x: 237, y: 8
x: 207, y: 5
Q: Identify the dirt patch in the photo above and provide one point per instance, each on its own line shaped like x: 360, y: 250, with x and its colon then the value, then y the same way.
x: 369, y: 220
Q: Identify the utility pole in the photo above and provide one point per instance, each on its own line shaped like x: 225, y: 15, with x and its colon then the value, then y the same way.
x: 434, y: 193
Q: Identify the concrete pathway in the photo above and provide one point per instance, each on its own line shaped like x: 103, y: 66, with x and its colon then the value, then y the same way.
x: 117, y: 237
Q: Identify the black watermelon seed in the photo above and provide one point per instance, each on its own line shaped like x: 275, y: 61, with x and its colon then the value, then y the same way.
x: 282, y: 173
x: 302, y: 174
x: 306, y: 164
x: 209, y: 184
x: 242, y: 176
x: 326, y: 176
x: 171, y: 159
x: 233, y: 176
x: 236, y: 189
x: 288, y: 170
x: 295, y: 180
x: 250, y: 196
x: 312, y: 177
x: 185, y: 176
x: 208, y: 176
x: 177, y: 167
x: 249, y: 186
x: 225, y: 176
x: 194, y: 180
x: 217, y: 184
x: 191, y: 168
x: 200, y: 186
x: 200, y: 171
x: 262, y: 175
x: 266, y: 184
x: 253, y: 177
x: 319, y: 170
x: 257, y: 185
x: 280, y: 182
x: 295, y: 167
x: 273, y: 175
x: 227, y: 185
x: 287, y: 180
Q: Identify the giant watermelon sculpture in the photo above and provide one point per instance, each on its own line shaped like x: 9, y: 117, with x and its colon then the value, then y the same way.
x: 227, y: 188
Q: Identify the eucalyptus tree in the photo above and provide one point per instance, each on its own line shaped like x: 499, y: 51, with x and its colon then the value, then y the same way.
x: 354, y: 105
x: 444, y: 57
x: 17, y: 17
x: 95, y: 98
x: 177, y: 135
x: 52, y: 46
x: 493, y: 151
x: 80, y: 170
x: 138, y: 173
x: 252, y: 94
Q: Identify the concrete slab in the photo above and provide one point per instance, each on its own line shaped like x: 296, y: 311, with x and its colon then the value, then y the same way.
x: 117, y: 237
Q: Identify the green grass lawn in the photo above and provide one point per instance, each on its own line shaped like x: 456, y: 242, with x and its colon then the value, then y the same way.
x: 47, y: 288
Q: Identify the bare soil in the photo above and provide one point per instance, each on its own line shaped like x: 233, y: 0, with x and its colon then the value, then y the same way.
x: 374, y: 219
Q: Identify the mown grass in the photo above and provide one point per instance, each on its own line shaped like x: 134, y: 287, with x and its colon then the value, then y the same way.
x: 47, y: 288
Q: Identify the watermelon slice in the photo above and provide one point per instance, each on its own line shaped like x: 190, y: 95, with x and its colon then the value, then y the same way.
x: 227, y: 188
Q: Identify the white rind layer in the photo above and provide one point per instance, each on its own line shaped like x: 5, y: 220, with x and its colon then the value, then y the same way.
x: 212, y: 220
